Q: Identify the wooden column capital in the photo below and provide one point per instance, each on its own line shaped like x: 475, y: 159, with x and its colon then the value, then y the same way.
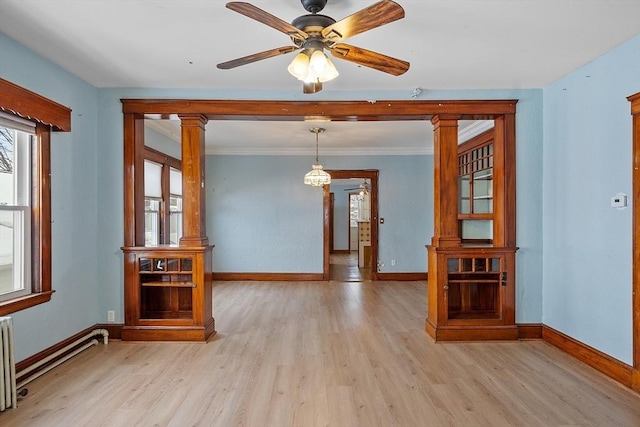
x: 199, y: 120
x: 445, y: 120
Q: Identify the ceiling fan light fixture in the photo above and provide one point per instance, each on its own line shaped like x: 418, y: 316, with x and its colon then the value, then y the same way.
x: 318, y: 62
x: 299, y: 67
x: 321, y: 69
x: 312, y: 66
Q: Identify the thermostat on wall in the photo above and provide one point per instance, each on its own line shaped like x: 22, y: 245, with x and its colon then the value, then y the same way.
x: 619, y: 201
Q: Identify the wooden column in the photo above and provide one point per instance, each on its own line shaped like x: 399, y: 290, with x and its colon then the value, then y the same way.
x: 193, y: 181
x: 133, y: 179
x: 504, y: 181
x: 445, y: 157
x: 635, y: 202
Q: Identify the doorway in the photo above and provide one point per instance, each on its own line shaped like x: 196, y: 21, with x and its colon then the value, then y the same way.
x: 351, y: 266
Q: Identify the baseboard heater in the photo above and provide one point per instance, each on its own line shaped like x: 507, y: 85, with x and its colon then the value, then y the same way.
x: 8, y: 375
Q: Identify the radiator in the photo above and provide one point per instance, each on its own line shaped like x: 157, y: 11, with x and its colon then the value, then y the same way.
x: 8, y: 394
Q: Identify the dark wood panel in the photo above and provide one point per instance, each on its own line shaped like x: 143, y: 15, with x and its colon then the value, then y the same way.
x: 604, y: 363
x: 528, y: 331
x: 381, y: 110
x: 269, y: 277
x: 635, y: 111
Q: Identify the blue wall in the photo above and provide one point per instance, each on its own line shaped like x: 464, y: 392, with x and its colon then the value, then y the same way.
x: 265, y: 220
x: 587, y: 243
x: 75, y: 231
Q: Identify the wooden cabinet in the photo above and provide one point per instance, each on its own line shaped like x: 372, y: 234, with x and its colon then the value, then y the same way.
x: 168, y: 294
x: 471, y: 290
x: 472, y: 293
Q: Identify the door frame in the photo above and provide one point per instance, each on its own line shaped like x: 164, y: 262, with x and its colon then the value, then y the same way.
x: 635, y: 201
x: 372, y: 176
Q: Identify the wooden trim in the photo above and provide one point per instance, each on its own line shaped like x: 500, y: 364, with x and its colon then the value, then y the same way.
x: 403, y: 276
x: 269, y: 277
x: 372, y: 176
x: 445, y: 181
x: 23, y: 364
x: 341, y: 252
x: 45, y: 113
x: 326, y: 231
x: 193, y: 180
x: 41, y: 211
x: 162, y: 158
x: 133, y: 179
x: 475, y: 142
x: 178, y: 333
x: 31, y: 106
x: 472, y: 333
x: 18, y: 304
x: 529, y: 331
x: 381, y: 110
x: 635, y: 201
x: 598, y: 360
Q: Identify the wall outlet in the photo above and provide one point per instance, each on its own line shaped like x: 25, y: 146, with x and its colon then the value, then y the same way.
x: 393, y: 262
x: 111, y: 316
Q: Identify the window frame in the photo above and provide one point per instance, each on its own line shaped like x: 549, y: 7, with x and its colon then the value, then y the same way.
x: 469, y: 166
x: 48, y: 116
x: 167, y: 163
x: 20, y: 208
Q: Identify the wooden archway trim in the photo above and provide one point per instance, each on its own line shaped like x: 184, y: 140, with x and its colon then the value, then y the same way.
x: 635, y: 112
x: 372, y: 176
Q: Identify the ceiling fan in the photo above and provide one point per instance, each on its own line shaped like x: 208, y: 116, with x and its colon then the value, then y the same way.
x: 313, y: 32
x: 363, y: 188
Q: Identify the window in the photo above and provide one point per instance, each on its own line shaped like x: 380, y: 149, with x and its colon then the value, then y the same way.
x: 15, y: 201
x: 26, y: 194
x: 162, y: 199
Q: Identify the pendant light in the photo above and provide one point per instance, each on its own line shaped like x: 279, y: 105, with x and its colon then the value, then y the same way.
x: 317, y: 177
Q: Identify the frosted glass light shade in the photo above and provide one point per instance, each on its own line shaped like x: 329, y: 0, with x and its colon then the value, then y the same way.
x: 299, y: 67
x: 317, y: 177
x: 315, y: 69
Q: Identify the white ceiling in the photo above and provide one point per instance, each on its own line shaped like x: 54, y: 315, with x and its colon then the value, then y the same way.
x: 451, y: 44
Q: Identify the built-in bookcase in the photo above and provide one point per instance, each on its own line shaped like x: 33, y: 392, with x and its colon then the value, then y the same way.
x: 168, y: 293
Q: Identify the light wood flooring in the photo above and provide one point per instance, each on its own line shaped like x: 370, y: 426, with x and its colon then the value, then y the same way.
x: 324, y: 354
x: 344, y: 268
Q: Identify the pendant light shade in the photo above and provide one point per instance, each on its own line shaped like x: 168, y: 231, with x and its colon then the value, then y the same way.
x: 317, y: 177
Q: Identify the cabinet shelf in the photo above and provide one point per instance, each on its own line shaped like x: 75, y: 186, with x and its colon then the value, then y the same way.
x: 166, y: 315
x: 170, y: 284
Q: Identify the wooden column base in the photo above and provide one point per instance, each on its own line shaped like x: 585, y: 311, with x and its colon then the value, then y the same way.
x: 635, y: 380
x: 471, y: 333
x: 169, y: 333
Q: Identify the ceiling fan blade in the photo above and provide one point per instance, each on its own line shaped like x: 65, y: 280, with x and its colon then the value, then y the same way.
x: 376, y: 15
x: 266, y: 18
x: 256, y: 57
x: 370, y: 59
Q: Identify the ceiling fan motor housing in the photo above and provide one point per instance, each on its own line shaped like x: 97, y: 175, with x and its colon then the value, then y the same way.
x: 313, y: 6
x: 305, y: 22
